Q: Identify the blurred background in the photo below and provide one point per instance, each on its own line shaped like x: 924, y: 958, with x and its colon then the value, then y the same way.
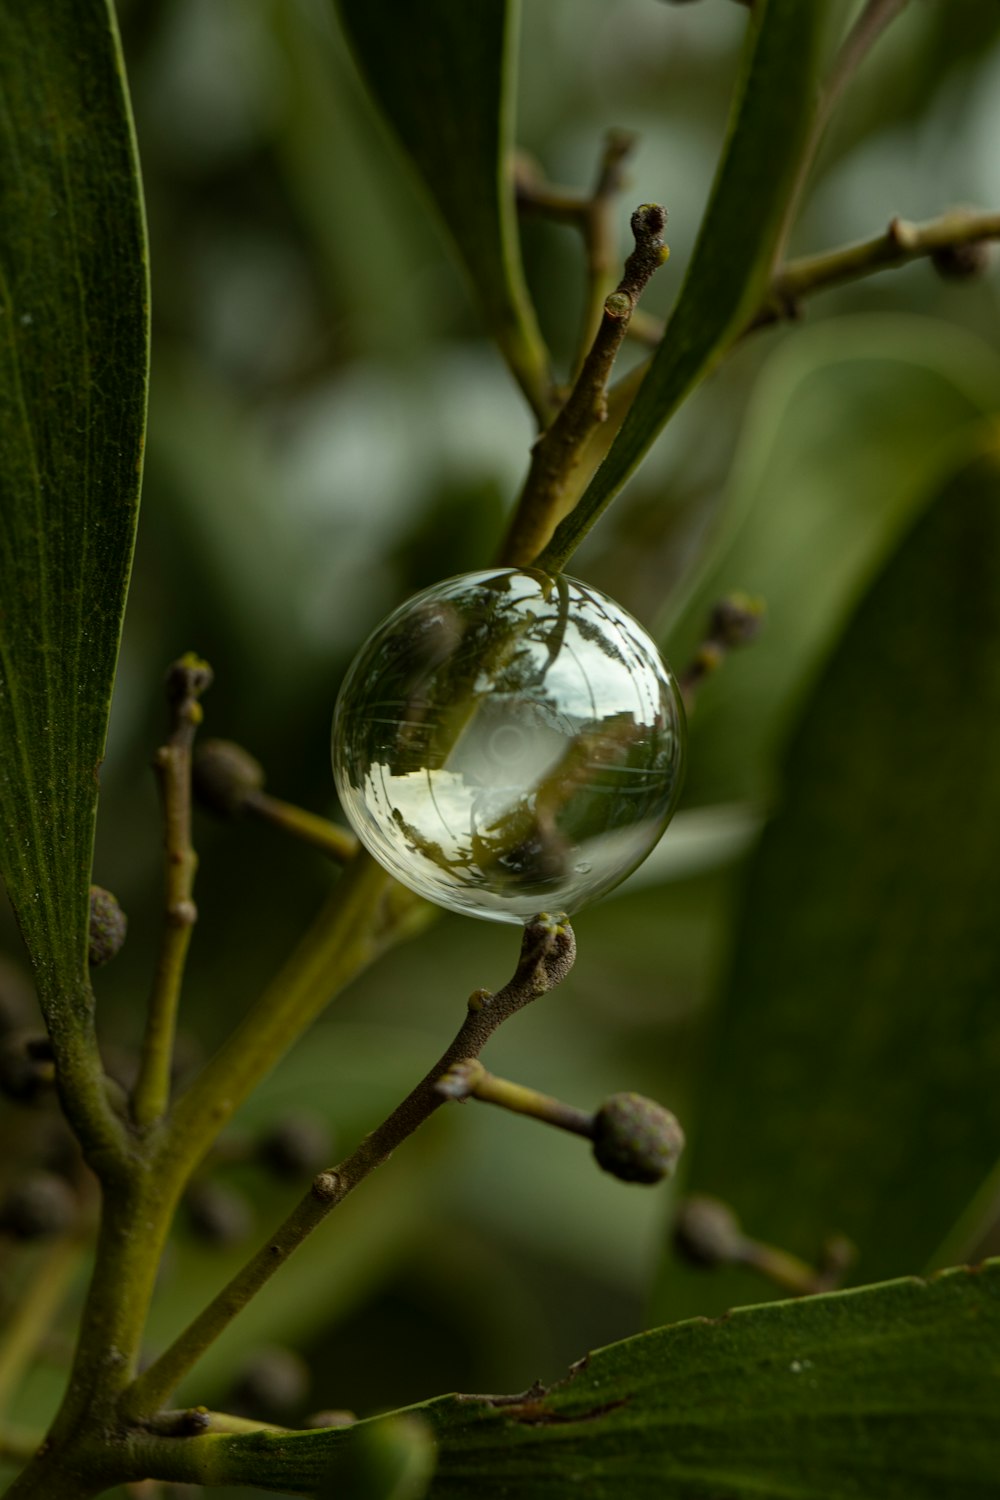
x: 330, y: 431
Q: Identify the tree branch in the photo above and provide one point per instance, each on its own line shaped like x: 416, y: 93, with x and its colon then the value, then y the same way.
x: 547, y: 954
x: 187, y: 679
x: 900, y: 243
x: 557, y: 452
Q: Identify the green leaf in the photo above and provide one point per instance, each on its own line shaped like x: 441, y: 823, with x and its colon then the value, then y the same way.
x: 442, y: 74
x: 853, y: 1086
x: 888, y: 1393
x: 72, y: 402
x: 849, y: 421
x: 737, y: 242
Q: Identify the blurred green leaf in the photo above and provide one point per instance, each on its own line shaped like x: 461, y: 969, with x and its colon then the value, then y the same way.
x: 72, y: 409
x: 889, y: 1393
x: 848, y: 421
x: 853, y: 1084
x: 732, y: 259
x: 443, y: 76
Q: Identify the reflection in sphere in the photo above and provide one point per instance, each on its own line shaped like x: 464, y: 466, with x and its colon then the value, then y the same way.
x: 508, y: 743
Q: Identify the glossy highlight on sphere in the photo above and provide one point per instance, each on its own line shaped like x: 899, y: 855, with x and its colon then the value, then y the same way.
x: 508, y: 743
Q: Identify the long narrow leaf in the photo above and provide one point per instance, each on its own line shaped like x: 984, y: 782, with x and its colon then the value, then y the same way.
x: 441, y: 72
x: 739, y: 234
x: 73, y: 316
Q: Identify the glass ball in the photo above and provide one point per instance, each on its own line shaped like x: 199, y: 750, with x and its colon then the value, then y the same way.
x: 508, y: 743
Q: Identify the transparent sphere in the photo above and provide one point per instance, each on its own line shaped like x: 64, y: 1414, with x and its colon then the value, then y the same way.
x: 508, y: 743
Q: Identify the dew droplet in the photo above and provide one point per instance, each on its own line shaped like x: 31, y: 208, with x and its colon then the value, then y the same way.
x: 508, y: 743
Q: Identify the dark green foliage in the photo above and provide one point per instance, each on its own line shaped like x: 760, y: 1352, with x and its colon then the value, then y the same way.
x: 853, y: 1086
x: 72, y: 411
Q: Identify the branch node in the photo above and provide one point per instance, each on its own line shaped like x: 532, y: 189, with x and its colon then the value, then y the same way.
x: 548, y: 951
x: 460, y: 1080
x: 325, y: 1186
x: 902, y: 233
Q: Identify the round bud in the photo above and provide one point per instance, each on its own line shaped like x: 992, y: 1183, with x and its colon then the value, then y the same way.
x: 294, y: 1146
x: 40, y: 1205
x: 736, y: 620
x: 708, y: 1233
x: 188, y: 677
x: 108, y: 926
x: 636, y: 1139
x: 962, y: 262
x: 224, y: 776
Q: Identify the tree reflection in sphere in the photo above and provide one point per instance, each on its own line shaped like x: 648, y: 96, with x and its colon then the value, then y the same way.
x: 508, y: 742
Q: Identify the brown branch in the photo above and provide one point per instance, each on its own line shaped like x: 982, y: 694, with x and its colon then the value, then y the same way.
x: 557, y: 452
x: 547, y: 954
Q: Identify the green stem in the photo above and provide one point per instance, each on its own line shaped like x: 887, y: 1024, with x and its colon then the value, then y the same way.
x: 379, y: 1459
x: 468, y: 1079
x: 187, y: 680
x: 75, y: 1461
x: 897, y: 246
x: 593, y: 215
x: 781, y: 1268
x: 547, y: 953
x: 310, y: 828
x: 83, y: 1086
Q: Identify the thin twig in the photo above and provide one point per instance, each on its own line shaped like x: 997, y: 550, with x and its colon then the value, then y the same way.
x: 187, y: 679
x: 468, y: 1079
x: 592, y: 214
x: 547, y: 954
x: 900, y: 243
x: 735, y: 622
x: 558, y: 450
x: 336, y: 842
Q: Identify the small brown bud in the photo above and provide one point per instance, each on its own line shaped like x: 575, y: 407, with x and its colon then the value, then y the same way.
x: 736, y: 621
x: 963, y: 262
x: 225, y: 776
x: 636, y: 1139
x: 187, y: 678
x: 108, y: 926
x: 708, y: 1233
